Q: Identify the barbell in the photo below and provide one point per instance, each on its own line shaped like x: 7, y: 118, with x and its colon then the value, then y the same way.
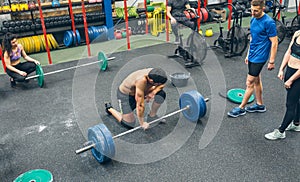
x: 101, y: 142
x: 102, y: 60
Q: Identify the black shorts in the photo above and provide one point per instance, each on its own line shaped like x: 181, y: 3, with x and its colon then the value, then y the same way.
x: 254, y: 69
x: 127, y: 103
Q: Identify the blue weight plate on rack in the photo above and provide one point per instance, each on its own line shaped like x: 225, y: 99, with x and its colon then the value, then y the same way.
x: 78, y: 37
x: 91, y: 34
x: 68, y: 38
x: 74, y: 37
x: 95, y: 32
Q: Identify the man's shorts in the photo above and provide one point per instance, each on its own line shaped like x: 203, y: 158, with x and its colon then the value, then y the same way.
x: 254, y: 69
x: 128, y: 102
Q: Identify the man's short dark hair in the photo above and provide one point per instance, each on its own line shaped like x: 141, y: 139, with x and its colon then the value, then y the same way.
x: 260, y: 3
x: 158, y: 75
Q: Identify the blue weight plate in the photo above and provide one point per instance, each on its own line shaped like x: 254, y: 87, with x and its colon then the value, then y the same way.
x: 91, y: 34
x: 202, y: 107
x: 96, y: 136
x: 109, y: 140
x: 68, y: 38
x: 95, y: 32
x: 74, y: 37
x: 105, y: 32
x: 78, y: 37
x: 191, y: 98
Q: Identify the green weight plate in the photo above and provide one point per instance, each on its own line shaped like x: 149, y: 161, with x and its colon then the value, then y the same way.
x: 150, y: 8
x: 36, y: 175
x: 236, y: 95
x: 102, y: 61
x: 39, y: 71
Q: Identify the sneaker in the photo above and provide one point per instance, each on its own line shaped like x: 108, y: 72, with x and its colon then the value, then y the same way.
x: 275, y: 135
x: 256, y: 108
x: 176, y: 40
x: 293, y: 127
x: 236, y: 112
x: 108, y: 106
x: 12, y: 82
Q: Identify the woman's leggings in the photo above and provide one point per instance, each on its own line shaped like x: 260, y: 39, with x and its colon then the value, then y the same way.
x: 27, y: 67
x: 292, y: 101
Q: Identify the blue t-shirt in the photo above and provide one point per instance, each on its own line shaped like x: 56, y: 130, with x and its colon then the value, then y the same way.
x: 260, y: 46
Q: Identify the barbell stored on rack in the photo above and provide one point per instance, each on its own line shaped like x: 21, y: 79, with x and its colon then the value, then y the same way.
x: 101, y: 142
x: 102, y: 60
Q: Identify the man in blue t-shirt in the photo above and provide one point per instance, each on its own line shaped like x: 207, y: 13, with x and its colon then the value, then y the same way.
x: 175, y: 12
x: 263, y: 46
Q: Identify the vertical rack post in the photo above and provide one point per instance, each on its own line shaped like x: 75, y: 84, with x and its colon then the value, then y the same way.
x: 126, y: 23
x: 167, y: 24
x: 85, y: 28
x: 45, y: 32
x: 72, y: 20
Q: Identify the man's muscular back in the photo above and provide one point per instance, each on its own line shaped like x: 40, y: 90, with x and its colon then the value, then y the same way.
x: 128, y: 86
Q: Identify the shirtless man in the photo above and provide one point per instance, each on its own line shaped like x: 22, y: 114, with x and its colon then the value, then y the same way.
x: 140, y: 86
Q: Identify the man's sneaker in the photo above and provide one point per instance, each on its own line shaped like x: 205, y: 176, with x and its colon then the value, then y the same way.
x: 275, y: 135
x: 256, y: 108
x: 293, y: 127
x: 108, y: 106
x: 236, y: 112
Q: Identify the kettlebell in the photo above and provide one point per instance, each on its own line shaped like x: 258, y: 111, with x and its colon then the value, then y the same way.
x: 209, y: 32
x: 118, y: 34
x: 124, y: 33
x: 129, y: 31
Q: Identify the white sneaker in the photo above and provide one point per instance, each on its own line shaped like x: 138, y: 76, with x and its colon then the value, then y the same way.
x: 275, y: 135
x: 293, y: 127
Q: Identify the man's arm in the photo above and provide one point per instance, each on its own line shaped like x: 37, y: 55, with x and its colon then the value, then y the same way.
x: 140, y: 102
x: 274, y: 41
x: 153, y: 92
x: 173, y: 20
x: 274, y: 46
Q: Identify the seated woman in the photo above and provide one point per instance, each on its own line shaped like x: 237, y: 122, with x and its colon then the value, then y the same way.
x: 12, y: 52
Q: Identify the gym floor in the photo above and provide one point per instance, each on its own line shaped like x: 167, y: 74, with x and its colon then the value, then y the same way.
x: 42, y: 127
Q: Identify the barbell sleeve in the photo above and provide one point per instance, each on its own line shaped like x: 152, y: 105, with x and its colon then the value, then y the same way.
x: 86, y: 148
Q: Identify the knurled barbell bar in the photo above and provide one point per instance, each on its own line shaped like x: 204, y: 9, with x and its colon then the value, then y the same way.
x: 101, y: 142
x: 102, y: 60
